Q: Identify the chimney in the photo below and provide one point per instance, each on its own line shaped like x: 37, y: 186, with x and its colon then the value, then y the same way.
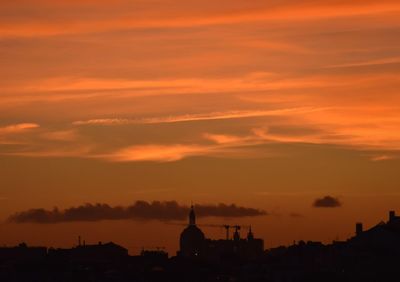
x: 392, y: 215
x: 359, y: 228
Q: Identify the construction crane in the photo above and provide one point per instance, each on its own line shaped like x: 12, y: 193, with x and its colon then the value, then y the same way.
x: 236, y: 227
x: 227, y: 227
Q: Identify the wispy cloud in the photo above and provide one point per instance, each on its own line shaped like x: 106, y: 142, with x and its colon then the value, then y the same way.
x: 81, y: 151
x: 165, y: 17
x: 11, y: 134
x: 56, y: 89
x: 18, y: 128
x: 227, y: 139
x: 196, y: 61
x: 199, y: 117
x: 60, y: 135
x: 104, y: 121
x: 379, y: 158
x: 210, y: 144
x: 158, y: 153
x: 218, y: 145
x: 384, y: 61
x: 60, y: 89
x: 227, y: 146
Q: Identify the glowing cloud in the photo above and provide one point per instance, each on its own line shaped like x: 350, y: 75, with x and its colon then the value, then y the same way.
x: 158, y: 153
x: 199, y: 117
x: 165, y: 17
x: 18, y: 128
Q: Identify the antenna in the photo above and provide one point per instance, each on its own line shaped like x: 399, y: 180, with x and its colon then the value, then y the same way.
x: 226, y: 226
x: 227, y: 231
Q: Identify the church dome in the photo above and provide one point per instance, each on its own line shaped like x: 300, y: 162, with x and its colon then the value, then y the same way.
x: 192, y: 233
x: 192, y: 238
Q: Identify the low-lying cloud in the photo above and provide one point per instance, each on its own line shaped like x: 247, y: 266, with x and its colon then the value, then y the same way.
x: 140, y: 210
x: 327, y: 202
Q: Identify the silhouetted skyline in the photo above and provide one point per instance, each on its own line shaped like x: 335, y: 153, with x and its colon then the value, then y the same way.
x: 116, y: 114
x: 368, y: 255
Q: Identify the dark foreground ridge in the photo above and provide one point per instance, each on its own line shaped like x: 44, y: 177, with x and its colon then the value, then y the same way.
x: 371, y: 255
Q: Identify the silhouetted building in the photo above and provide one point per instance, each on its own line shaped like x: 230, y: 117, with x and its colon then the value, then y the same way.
x: 371, y: 255
x: 192, y: 240
x: 91, y: 253
x: 193, y: 244
x: 359, y: 228
x: 393, y: 218
x: 384, y: 235
x: 154, y: 254
x: 108, y: 251
x: 22, y: 253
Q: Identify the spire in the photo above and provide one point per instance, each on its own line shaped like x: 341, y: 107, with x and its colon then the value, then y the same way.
x: 250, y: 235
x: 192, y: 216
x: 236, y: 235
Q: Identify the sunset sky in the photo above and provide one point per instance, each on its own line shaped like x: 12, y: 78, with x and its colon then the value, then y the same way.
x: 270, y: 105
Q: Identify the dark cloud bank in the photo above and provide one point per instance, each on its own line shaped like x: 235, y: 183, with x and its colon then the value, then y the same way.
x: 327, y: 202
x: 140, y: 210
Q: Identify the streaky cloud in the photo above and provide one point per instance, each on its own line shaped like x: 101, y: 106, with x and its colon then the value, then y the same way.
x: 384, y: 61
x: 185, y: 17
x: 17, y: 128
x: 199, y: 117
x: 156, y: 152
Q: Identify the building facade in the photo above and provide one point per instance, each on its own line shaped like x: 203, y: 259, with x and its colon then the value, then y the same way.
x: 194, y: 244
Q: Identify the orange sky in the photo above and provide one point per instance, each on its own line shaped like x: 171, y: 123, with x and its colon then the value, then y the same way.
x: 266, y: 104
